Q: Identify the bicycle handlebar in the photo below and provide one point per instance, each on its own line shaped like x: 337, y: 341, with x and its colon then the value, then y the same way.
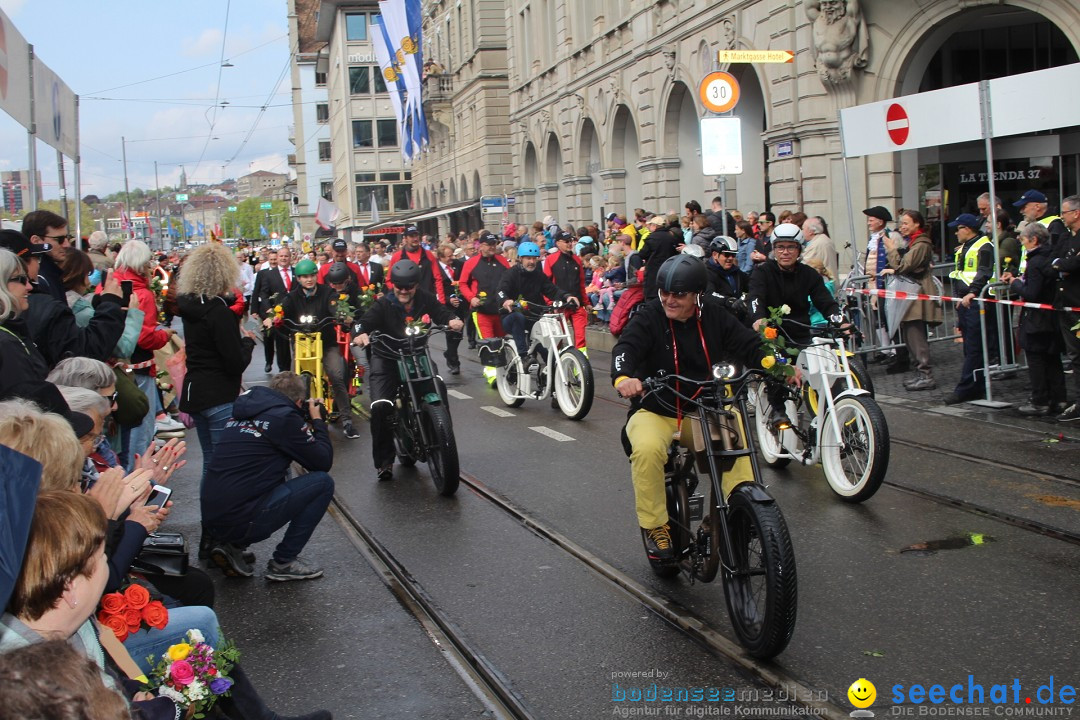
x: 555, y: 306
x: 311, y: 325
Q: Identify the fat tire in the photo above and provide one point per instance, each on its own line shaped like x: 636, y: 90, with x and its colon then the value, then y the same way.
x: 861, y: 420
x: 761, y: 588
x: 768, y: 444
x: 442, y: 456
x: 861, y: 374
x: 568, y: 359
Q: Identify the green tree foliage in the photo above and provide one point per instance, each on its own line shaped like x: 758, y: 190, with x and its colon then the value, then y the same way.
x: 249, y: 216
x: 86, y: 214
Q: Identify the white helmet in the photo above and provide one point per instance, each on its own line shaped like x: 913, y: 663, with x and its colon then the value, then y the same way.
x: 788, y: 232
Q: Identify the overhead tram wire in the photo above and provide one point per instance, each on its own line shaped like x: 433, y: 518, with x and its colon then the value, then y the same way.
x: 262, y: 110
x: 217, y: 90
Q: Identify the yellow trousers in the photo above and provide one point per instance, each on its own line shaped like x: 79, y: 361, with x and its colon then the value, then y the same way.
x: 650, y: 436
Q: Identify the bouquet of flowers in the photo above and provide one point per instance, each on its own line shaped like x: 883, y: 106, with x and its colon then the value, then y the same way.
x: 367, y: 295
x: 342, y: 309
x: 194, y: 675
x: 417, y: 327
x: 131, y: 609
x: 778, y: 358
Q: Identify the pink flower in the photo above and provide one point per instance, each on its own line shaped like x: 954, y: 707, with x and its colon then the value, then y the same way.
x: 181, y: 673
x: 426, y: 319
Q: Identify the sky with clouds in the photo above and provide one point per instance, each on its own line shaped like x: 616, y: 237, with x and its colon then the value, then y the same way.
x: 149, y: 71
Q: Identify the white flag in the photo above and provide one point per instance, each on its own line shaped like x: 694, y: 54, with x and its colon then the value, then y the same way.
x: 374, y: 208
x: 395, y: 84
x: 326, y: 214
x: 403, y: 47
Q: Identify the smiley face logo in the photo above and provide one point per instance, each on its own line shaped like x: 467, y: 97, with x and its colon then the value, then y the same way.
x: 862, y: 693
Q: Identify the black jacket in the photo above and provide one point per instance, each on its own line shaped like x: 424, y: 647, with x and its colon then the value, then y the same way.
x: 268, y: 283
x: 659, y: 246
x: 216, y: 353
x: 50, y: 279
x: 387, y: 315
x: 731, y: 286
x: 1039, y: 286
x: 320, y: 304
x: 54, y: 330
x: 267, y: 432
x: 532, y: 287
x: 772, y: 287
x: 1067, y: 263
x: 716, y: 222
x: 645, y: 348
x: 20, y: 360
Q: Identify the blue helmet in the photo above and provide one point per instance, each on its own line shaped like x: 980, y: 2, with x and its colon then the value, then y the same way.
x: 528, y: 249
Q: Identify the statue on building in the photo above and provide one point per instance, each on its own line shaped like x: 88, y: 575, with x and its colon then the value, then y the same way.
x: 841, y: 41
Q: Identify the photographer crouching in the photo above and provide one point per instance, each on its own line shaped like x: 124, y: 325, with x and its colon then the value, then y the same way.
x: 252, y: 497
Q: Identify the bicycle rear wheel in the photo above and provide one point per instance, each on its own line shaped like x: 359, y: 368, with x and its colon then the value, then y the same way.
x: 442, y: 454
x: 760, y: 587
x: 506, y: 379
x: 855, y: 462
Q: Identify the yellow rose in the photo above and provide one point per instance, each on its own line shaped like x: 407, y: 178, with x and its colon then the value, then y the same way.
x: 768, y: 361
x: 1008, y: 260
x: 279, y: 309
x: 179, y: 652
x: 483, y: 294
x: 343, y: 296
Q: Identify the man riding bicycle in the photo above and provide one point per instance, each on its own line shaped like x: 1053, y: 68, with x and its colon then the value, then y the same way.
x: 528, y: 283
x: 319, y: 302
x: 388, y: 315
x: 684, y: 332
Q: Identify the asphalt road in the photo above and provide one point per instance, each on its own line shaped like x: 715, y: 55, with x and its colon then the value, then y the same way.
x: 1001, y: 610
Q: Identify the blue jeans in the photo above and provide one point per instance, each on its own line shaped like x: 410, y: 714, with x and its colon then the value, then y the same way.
x: 518, y: 325
x: 300, y: 503
x: 209, y: 424
x: 181, y: 619
x: 143, y: 433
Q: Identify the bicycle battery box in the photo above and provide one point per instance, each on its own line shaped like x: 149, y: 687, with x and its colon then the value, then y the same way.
x: 491, y: 352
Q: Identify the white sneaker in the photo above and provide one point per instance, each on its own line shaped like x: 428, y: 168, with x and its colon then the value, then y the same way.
x: 167, y: 424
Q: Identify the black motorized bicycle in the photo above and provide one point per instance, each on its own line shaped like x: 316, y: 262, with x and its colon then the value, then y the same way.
x: 738, y: 532
x: 423, y: 431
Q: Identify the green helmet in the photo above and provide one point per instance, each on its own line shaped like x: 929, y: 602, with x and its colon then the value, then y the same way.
x: 304, y: 267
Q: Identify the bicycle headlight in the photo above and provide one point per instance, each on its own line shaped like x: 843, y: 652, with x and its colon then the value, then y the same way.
x: 412, y: 331
x: 724, y: 371
x: 306, y: 319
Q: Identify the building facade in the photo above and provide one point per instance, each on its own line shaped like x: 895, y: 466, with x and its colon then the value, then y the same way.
x: 260, y: 183
x: 370, y: 177
x: 16, y: 185
x: 602, y: 104
x: 310, y: 132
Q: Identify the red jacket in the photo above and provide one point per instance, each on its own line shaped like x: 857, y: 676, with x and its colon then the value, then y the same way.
x: 568, y: 274
x: 150, y: 337
x: 326, y: 269
x: 430, y: 279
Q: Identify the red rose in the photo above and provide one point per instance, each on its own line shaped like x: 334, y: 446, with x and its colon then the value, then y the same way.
x: 408, y: 318
x: 114, y: 603
x: 133, y: 618
x: 426, y: 319
x: 118, y: 625
x: 211, y: 670
x: 137, y: 596
x: 156, y: 615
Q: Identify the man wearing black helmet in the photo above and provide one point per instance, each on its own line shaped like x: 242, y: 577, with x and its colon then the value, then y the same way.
x: 388, y: 315
x: 726, y: 280
x: 684, y: 332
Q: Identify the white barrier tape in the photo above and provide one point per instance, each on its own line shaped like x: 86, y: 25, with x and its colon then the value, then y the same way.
x: 897, y: 295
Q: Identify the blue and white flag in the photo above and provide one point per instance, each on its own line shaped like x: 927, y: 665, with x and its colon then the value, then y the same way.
x: 202, y: 229
x: 395, y: 84
x: 414, y: 14
x: 263, y: 231
x: 188, y: 229
x: 405, y: 49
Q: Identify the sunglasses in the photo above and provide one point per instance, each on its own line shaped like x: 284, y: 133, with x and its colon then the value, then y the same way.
x: 60, y: 238
x: 679, y: 295
x: 20, y: 279
x: 405, y: 288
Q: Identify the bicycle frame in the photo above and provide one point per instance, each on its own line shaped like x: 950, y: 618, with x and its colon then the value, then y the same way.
x: 418, y: 381
x: 552, y: 332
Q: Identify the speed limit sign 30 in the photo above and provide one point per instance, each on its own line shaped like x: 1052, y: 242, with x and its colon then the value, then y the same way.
x: 719, y: 92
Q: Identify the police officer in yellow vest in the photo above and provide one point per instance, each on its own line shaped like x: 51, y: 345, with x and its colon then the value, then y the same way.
x: 973, y: 270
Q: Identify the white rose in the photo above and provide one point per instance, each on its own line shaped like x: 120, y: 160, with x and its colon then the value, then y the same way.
x: 785, y: 309
x: 196, y: 636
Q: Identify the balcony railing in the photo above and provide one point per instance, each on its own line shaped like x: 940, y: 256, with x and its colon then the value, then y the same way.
x: 438, y: 87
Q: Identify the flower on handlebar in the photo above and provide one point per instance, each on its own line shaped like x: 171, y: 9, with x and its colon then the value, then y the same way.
x: 343, y: 310
x: 367, y: 296
x: 778, y: 355
x: 417, y: 327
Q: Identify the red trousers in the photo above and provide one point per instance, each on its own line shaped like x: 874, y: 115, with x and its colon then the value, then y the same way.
x: 578, y: 318
x: 487, y: 326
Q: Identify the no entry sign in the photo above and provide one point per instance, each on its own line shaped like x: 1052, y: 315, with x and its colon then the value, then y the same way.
x: 897, y: 123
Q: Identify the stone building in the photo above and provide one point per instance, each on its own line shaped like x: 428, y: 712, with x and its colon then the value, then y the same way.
x: 260, y: 183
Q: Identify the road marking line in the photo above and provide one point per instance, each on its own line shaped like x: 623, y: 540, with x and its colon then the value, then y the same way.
x: 553, y: 434
x: 458, y: 395
x: 497, y: 412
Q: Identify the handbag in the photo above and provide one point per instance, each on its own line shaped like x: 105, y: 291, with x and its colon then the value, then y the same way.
x: 162, y: 554
x: 131, y: 402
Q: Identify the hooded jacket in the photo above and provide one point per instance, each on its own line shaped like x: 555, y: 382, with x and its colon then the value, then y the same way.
x: 53, y: 328
x: 216, y: 353
x: 267, y: 432
x: 20, y: 360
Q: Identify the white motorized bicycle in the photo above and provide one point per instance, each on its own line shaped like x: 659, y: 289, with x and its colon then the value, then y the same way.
x: 551, y: 365
x: 832, y: 420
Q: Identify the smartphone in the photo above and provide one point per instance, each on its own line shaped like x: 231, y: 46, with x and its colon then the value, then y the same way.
x: 125, y: 286
x: 159, y: 496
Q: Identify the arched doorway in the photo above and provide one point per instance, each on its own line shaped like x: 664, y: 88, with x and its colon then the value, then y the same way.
x: 982, y: 44
x: 530, y: 180
x: 477, y: 189
x: 626, y: 154
x: 682, y: 139
x: 555, y: 196
x: 751, y: 187
x: 592, y: 201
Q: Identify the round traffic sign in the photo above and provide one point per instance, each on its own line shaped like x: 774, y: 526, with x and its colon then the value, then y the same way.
x: 897, y: 123
x: 719, y: 92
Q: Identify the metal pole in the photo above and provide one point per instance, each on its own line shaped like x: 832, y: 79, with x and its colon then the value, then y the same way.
x: 157, y: 193
x: 32, y: 135
x: 127, y: 194
x: 62, y: 187
x: 723, y: 205
x: 78, y: 181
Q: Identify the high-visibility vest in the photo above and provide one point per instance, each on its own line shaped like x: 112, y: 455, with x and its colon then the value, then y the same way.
x: 1045, y: 222
x: 967, y: 264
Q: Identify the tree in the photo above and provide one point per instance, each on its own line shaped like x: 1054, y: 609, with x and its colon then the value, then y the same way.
x: 250, y: 217
x: 86, y: 214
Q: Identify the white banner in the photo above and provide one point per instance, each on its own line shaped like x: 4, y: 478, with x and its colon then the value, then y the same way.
x: 14, y: 73
x: 1034, y: 101
x: 721, y: 146
x: 938, y: 117
x: 55, y: 111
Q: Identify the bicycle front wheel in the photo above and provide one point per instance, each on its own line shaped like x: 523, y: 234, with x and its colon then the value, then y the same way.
x: 442, y: 454
x: 574, y: 392
x: 760, y: 587
x: 855, y: 461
